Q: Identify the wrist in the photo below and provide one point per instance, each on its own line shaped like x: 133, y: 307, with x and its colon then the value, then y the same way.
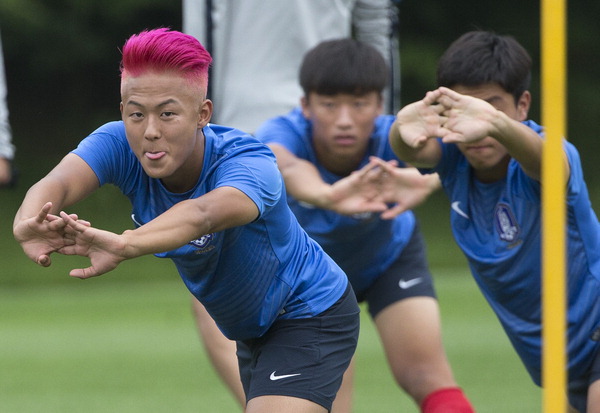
x: 500, y: 123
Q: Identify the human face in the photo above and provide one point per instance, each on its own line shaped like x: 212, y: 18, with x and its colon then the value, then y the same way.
x: 488, y: 157
x: 164, y: 117
x: 341, y: 125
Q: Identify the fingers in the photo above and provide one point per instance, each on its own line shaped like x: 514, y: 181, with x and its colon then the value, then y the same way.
x: 71, y: 221
x: 41, y: 216
x: 385, y: 166
x: 431, y: 97
x: 44, y: 260
x: 393, y: 212
x: 83, y: 273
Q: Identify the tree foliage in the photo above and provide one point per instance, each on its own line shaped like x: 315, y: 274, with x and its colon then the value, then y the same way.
x: 62, y: 59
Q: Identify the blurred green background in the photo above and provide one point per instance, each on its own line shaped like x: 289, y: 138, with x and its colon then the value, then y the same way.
x: 126, y: 341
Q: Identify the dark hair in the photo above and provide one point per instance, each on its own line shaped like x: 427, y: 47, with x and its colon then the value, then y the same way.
x: 481, y: 57
x: 343, y: 66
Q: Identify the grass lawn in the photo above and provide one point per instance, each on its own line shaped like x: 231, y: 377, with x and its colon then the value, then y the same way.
x: 122, y: 345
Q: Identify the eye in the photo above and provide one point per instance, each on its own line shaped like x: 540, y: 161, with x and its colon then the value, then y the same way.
x: 168, y: 114
x: 136, y: 115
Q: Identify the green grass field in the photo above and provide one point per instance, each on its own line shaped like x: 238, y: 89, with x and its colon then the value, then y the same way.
x: 126, y: 342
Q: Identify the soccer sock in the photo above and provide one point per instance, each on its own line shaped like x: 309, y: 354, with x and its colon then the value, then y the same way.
x: 447, y: 400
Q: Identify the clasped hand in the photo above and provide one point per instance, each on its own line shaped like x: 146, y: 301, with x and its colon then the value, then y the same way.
x: 446, y: 114
x: 45, y: 234
x: 381, y: 186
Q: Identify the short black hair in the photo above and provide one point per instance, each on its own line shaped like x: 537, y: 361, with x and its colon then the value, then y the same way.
x: 343, y: 66
x: 481, y: 57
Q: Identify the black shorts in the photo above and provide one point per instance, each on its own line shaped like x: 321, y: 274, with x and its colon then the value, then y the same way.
x: 408, y: 276
x: 304, y: 358
x: 578, y: 390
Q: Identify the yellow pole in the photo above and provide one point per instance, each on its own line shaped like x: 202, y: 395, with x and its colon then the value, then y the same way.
x: 553, y: 86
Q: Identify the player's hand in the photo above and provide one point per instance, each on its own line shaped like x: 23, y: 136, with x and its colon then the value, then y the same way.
x: 358, y: 192
x: 421, y: 120
x: 469, y: 119
x: 404, y: 188
x: 104, y: 249
x: 42, y: 235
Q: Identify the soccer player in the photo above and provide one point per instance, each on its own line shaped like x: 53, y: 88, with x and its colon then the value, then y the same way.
x: 473, y: 132
x: 322, y: 148
x: 211, y: 199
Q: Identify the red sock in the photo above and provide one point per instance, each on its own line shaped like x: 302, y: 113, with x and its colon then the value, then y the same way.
x: 448, y: 400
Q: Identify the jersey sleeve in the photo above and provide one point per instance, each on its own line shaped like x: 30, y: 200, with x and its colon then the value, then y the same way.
x: 288, y: 131
x: 107, y: 152
x: 254, y: 172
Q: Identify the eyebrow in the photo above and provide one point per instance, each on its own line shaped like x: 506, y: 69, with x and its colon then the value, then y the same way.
x: 493, y: 98
x: 161, y: 104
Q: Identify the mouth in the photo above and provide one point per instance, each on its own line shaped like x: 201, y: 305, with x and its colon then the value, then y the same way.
x: 154, y: 156
x: 345, y: 140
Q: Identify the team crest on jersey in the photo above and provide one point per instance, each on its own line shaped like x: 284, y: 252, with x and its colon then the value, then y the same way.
x: 506, y: 224
x: 202, y: 242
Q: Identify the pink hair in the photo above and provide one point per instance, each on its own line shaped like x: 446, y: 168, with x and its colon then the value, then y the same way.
x: 166, y: 50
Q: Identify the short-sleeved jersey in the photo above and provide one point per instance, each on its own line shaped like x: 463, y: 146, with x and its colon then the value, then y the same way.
x: 246, y: 276
x: 363, y: 245
x: 497, y: 226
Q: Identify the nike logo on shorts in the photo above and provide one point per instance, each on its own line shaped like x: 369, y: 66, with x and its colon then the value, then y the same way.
x: 273, y: 377
x: 456, y: 207
x: 404, y: 284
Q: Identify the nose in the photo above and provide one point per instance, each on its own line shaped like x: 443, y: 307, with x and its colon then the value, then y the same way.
x: 344, y: 118
x: 152, y: 131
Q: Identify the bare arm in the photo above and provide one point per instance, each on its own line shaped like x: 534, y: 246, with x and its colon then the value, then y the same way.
x: 353, y: 194
x: 470, y: 119
x: 220, y: 209
x: 36, y: 225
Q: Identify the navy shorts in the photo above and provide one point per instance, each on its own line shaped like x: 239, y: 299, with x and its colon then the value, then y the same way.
x: 408, y: 276
x: 304, y: 358
x: 578, y: 390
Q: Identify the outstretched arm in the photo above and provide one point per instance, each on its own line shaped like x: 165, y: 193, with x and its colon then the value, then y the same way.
x: 36, y: 225
x: 220, y: 209
x: 470, y: 119
x: 357, y: 193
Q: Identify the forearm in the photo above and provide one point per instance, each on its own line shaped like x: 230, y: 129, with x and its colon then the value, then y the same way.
x: 304, y: 183
x: 425, y: 155
x: 521, y: 142
x: 302, y: 178
x: 400, y: 148
x: 46, y: 190
x: 170, y: 230
x: 69, y: 182
x: 218, y: 210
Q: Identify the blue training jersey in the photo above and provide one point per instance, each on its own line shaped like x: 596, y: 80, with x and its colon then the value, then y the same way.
x: 247, y: 276
x: 363, y: 245
x: 497, y: 226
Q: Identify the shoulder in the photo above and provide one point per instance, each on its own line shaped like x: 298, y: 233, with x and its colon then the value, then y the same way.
x: 225, y: 145
x: 110, y: 136
x: 280, y: 127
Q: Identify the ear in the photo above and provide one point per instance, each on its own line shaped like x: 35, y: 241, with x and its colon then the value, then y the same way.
x: 305, y: 107
x: 380, y: 108
x: 523, y: 105
x: 121, y: 108
x: 205, y: 113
